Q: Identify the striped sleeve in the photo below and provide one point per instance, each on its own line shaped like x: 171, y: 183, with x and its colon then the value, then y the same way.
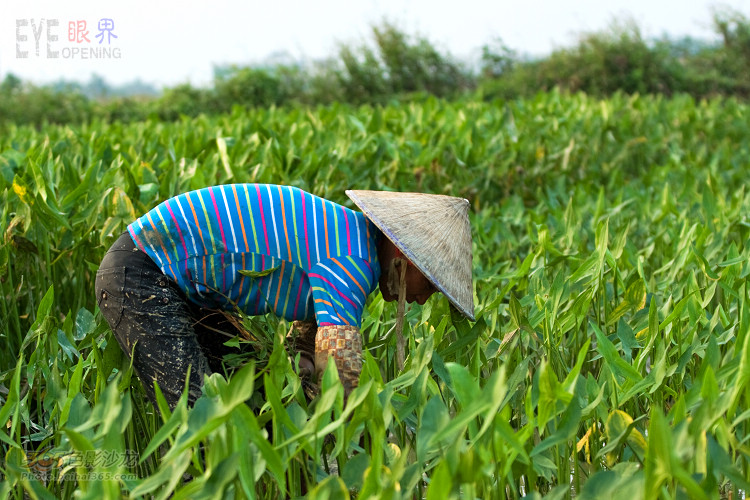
x: 340, y: 287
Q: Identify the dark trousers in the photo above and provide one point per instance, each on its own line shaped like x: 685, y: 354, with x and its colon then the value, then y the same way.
x: 156, y: 325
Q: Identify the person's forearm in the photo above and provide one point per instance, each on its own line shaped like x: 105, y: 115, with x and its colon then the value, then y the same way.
x: 344, y: 344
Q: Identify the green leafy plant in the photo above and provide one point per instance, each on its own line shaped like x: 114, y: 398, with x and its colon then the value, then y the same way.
x: 610, y: 355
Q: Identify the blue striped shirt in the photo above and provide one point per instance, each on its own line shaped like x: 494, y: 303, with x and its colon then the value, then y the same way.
x: 264, y: 248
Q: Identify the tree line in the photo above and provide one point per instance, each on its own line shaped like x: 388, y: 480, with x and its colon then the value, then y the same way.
x: 394, y: 65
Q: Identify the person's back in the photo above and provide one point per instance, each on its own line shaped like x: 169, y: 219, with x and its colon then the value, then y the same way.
x: 263, y: 248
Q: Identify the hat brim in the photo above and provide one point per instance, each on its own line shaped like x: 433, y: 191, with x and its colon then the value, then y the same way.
x: 377, y: 215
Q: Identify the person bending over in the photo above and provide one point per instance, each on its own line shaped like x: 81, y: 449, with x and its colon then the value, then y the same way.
x: 275, y: 249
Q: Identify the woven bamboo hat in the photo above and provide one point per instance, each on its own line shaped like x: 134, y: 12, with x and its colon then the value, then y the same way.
x: 433, y: 232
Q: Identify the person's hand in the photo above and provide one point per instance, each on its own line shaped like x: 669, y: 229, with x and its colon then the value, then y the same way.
x: 306, y: 367
x: 301, y: 339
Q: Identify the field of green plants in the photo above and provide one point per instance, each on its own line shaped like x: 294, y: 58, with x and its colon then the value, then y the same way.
x: 610, y: 357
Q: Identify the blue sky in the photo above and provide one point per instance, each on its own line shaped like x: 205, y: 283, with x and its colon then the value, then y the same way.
x: 166, y: 42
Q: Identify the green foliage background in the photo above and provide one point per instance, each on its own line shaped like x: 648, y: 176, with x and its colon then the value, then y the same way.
x: 610, y: 355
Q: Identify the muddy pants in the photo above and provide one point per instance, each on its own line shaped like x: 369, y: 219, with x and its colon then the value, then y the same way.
x: 156, y: 325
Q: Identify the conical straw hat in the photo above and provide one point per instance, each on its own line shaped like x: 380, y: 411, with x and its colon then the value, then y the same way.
x: 433, y: 232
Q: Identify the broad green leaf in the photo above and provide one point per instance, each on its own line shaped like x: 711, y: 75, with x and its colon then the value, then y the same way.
x: 618, y: 365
